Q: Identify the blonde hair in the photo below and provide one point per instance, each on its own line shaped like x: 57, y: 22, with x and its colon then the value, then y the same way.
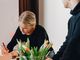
x: 27, y: 17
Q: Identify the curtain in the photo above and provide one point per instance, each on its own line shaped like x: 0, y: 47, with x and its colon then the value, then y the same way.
x: 31, y: 5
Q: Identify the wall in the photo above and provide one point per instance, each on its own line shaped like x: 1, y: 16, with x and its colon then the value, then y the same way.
x: 8, y: 19
x: 54, y: 17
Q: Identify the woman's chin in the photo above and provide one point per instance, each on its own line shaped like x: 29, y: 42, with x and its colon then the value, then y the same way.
x: 28, y: 33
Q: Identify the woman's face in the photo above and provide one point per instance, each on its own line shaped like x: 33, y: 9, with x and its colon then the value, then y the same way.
x: 28, y: 28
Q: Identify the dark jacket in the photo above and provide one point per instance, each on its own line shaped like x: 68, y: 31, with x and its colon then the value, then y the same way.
x: 36, y: 38
x: 70, y: 50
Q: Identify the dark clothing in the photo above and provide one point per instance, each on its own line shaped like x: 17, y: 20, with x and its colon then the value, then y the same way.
x: 36, y: 38
x: 70, y: 50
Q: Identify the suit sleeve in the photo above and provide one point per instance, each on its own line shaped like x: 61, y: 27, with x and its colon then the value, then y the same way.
x: 72, y: 51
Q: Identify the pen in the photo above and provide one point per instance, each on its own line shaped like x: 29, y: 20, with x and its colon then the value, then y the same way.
x: 4, y: 46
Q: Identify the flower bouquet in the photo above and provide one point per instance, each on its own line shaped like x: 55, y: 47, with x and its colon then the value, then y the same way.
x: 26, y: 53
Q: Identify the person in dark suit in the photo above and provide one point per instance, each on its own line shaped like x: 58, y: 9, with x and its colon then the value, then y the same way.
x: 70, y: 50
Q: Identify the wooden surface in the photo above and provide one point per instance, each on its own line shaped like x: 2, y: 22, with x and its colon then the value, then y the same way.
x: 6, y: 56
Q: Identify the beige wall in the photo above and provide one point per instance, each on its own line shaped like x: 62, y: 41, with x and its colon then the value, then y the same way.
x: 54, y: 18
x: 8, y: 19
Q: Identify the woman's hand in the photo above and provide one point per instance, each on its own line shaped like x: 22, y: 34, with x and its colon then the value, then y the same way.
x: 48, y: 58
x: 4, y: 49
x: 14, y: 54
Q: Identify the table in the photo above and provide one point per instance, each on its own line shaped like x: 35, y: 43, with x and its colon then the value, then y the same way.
x: 5, y: 57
